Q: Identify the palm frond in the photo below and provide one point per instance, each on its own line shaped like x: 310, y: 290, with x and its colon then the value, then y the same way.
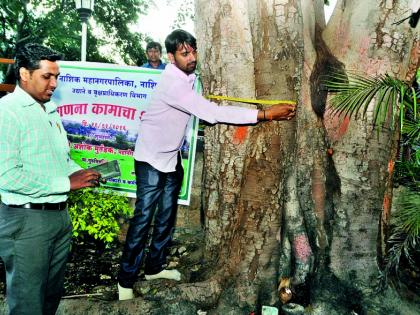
x: 408, y: 214
x: 354, y: 93
x: 414, y: 97
x: 405, y: 234
x: 410, y: 101
x: 412, y: 130
x: 398, y: 240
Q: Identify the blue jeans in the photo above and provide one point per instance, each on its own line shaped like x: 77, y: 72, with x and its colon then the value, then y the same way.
x: 154, y: 189
x: 34, y: 246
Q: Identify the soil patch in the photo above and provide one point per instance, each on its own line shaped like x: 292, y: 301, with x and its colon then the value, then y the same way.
x: 92, y: 268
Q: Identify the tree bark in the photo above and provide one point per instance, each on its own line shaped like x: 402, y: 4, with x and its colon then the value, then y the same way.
x: 318, y: 183
x: 247, y: 167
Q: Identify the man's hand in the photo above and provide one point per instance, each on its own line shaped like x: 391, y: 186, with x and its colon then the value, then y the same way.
x: 84, y: 178
x: 277, y: 112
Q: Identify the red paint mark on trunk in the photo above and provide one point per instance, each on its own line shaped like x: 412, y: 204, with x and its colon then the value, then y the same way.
x: 240, y: 135
x: 387, y: 204
x: 343, y: 127
x: 302, y: 249
x: 391, y: 165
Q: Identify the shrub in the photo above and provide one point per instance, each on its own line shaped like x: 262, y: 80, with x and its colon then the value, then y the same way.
x: 404, y: 241
x: 96, y: 213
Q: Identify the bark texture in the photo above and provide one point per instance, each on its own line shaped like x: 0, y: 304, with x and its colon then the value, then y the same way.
x: 246, y: 167
x: 302, y: 199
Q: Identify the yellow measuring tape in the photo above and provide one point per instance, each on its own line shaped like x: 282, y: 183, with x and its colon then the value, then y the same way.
x: 248, y: 100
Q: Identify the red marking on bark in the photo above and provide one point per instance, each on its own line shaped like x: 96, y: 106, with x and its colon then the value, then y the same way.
x: 343, y: 127
x: 301, y: 248
x: 391, y: 165
x: 240, y: 135
x: 387, y: 204
x: 330, y: 151
x: 364, y: 46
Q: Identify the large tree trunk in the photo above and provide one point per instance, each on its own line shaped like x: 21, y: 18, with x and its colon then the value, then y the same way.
x: 246, y: 168
x: 317, y: 184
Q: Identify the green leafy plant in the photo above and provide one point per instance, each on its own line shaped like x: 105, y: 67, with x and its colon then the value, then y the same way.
x: 405, y: 235
x: 96, y: 213
x: 407, y: 170
x: 355, y: 92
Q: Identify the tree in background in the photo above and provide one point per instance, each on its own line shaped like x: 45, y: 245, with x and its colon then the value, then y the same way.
x: 56, y: 24
x: 185, y: 12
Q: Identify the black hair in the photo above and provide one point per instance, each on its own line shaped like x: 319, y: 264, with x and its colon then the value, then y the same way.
x: 151, y: 45
x: 29, y: 56
x: 179, y: 38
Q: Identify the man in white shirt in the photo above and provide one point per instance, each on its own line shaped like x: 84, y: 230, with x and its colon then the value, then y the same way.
x: 157, y: 159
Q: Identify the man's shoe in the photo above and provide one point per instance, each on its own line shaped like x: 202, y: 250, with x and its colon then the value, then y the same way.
x: 125, y: 293
x: 172, y: 274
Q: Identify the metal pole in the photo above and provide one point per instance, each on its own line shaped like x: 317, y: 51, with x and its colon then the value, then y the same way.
x: 84, y: 40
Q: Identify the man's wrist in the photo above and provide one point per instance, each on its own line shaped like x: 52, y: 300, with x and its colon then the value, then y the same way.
x: 261, y: 115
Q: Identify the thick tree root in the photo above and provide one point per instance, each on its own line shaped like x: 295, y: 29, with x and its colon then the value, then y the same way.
x: 185, y: 298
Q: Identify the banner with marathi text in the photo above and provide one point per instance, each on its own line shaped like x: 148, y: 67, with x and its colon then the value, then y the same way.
x: 101, y: 106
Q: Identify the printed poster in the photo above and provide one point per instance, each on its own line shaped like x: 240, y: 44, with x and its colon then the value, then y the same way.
x: 101, y: 106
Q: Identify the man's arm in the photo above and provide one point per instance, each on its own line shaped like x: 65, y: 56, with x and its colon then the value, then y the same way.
x: 81, y: 178
x: 277, y: 112
x: 13, y: 176
x: 73, y: 166
x: 185, y: 99
x: 84, y: 178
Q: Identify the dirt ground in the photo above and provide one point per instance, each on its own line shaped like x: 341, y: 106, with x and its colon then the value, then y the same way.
x: 93, y: 269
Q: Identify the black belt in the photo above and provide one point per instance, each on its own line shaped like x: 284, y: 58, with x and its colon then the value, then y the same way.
x: 42, y: 206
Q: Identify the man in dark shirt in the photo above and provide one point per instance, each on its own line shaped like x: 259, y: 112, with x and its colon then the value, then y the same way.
x: 154, y: 52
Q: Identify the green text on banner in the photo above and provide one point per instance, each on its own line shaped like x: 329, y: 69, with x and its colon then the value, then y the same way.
x: 101, y: 106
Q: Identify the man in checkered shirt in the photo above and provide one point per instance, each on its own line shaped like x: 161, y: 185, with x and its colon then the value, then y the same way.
x: 36, y: 174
